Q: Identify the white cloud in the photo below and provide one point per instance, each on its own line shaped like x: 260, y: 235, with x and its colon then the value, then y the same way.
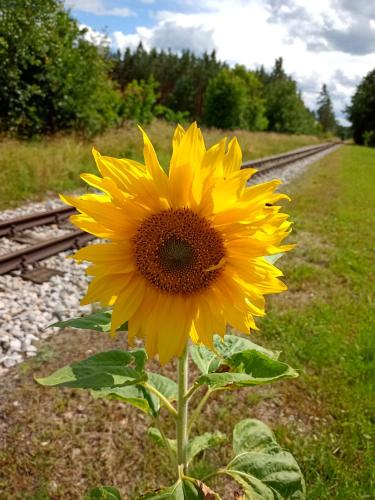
x: 95, y: 37
x: 98, y: 8
x: 306, y: 33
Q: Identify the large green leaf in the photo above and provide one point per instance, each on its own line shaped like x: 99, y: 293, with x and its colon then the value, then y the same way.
x: 141, y: 397
x: 248, y: 368
x: 209, y: 361
x: 99, y: 321
x: 182, y: 490
x: 132, y: 394
x: 205, y: 360
x: 106, y: 369
x: 166, y: 386
x: 263, y: 469
x: 103, y: 493
x: 233, y: 344
x: 200, y: 443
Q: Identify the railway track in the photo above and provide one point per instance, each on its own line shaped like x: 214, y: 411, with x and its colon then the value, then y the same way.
x: 32, y: 254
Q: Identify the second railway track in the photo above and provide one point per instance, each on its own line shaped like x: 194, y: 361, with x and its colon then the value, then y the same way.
x: 31, y: 254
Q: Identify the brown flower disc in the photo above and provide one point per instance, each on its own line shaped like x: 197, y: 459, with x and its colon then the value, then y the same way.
x: 175, y: 248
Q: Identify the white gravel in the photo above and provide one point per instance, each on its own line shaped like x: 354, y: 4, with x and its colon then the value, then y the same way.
x: 26, y: 308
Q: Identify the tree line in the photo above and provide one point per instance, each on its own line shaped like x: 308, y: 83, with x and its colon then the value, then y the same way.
x: 52, y: 79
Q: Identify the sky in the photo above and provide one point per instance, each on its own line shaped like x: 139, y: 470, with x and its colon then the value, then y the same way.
x: 321, y: 41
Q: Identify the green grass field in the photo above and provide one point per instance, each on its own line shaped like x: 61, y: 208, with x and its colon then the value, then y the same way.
x: 29, y: 170
x: 326, y: 323
x: 56, y: 444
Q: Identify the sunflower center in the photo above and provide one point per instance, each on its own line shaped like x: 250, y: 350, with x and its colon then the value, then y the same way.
x: 176, y: 255
x: 175, y: 249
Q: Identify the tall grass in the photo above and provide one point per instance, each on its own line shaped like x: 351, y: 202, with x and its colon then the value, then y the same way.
x: 30, y: 170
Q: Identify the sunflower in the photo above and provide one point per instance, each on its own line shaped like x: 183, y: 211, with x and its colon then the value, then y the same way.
x: 185, y: 251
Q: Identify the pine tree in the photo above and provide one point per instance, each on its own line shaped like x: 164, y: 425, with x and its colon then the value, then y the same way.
x: 325, y: 113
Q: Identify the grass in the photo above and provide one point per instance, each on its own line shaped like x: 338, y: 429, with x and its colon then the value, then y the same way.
x: 326, y: 323
x: 29, y: 170
x: 55, y: 444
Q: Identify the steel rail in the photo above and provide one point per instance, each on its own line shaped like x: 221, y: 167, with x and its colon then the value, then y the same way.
x: 34, y: 253
x: 74, y: 240
x: 11, y: 226
x: 266, y: 164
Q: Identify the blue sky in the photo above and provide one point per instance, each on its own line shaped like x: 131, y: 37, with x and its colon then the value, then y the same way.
x: 321, y: 41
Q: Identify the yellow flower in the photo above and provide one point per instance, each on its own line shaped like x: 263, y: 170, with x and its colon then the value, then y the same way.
x: 186, y: 250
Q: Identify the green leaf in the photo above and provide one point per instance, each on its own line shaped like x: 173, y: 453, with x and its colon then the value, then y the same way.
x: 233, y: 344
x: 99, y: 321
x: 209, y: 361
x: 138, y: 395
x: 132, y: 394
x: 154, y: 434
x: 248, y: 368
x: 166, y: 386
x: 263, y: 469
x: 182, y: 490
x: 199, y: 443
x: 106, y: 369
x: 205, y: 360
x: 103, y: 493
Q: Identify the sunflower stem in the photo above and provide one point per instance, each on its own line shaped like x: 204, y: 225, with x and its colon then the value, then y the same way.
x: 182, y: 409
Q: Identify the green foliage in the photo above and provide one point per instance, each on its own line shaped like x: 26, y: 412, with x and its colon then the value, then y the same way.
x: 195, y: 445
x: 224, y: 101
x: 286, y: 111
x: 238, y: 362
x: 182, y: 78
x: 361, y: 112
x: 138, y: 100
x: 253, y: 114
x: 103, y: 493
x: 50, y: 78
x: 105, y: 369
x: 140, y: 396
x: 99, y: 321
x: 326, y: 115
x: 263, y: 469
x: 248, y: 368
x: 171, y: 116
x: 181, y: 490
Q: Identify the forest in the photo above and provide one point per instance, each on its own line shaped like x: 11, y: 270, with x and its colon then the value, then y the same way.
x: 52, y: 79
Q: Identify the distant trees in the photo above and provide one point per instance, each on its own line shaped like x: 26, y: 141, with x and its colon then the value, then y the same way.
x: 285, y: 109
x: 234, y: 99
x: 225, y: 101
x: 50, y: 77
x: 182, y: 79
x: 361, y: 112
x: 325, y: 113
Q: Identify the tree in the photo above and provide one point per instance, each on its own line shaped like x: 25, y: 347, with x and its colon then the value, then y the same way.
x: 225, y: 100
x: 361, y: 112
x: 254, y: 110
x: 285, y: 109
x: 138, y: 101
x: 325, y: 113
x: 50, y: 77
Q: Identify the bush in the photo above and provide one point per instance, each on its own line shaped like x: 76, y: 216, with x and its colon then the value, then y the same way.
x: 224, y: 101
x: 51, y: 79
x: 138, y: 101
